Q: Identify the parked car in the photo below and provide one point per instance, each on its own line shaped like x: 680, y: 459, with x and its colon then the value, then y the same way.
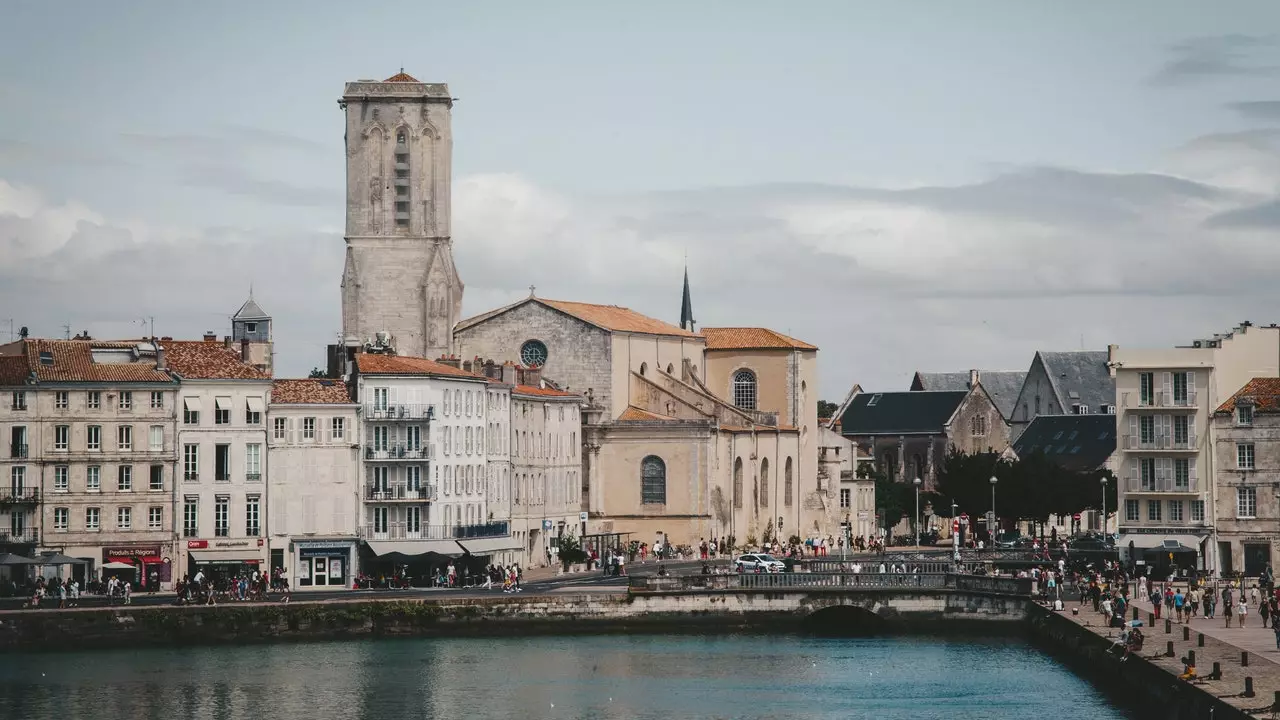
x: 758, y: 562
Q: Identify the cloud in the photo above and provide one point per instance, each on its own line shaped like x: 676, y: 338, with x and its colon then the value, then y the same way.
x: 884, y: 281
x: 1267, y: 110
x: 1214, y: 57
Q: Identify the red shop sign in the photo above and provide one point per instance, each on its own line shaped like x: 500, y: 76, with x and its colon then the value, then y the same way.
x: 197, y: 544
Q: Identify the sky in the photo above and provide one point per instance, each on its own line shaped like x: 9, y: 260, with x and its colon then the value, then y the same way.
x: 924, y: 186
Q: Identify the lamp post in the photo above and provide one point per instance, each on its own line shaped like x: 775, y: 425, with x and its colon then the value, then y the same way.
x: 1103, y: 481
x: 992, y: 526
x: 916, y: 520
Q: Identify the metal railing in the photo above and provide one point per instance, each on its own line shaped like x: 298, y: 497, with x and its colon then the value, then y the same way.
x: 26, y: 535
x: 1160, y: 485
x: 18, y: 450
x: 401, y: 531
x: 1161, y: 399
x: 804, y: 582
x: 1160, y: 442
x: 400, y: 411
x: 12, y: 495
x: 401, y: 491
x: 400, y: 452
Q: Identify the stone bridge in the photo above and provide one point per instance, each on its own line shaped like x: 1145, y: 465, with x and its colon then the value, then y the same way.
x: 842, y: 603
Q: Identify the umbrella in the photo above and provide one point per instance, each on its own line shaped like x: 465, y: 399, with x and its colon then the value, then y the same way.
x: 59, y: 559
x: 11, y: 559
x: 118, y: 566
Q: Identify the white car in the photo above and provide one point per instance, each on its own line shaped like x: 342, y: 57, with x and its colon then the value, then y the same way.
x: 758, y: 562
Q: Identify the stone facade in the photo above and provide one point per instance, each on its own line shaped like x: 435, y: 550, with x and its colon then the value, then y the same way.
x: 978, y: 426
x: 399, y: 276
x: 1246, y: 492
x: 546, y: 488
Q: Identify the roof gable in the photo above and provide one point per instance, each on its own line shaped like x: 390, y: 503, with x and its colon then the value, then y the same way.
x: 1073, y: 442
x: 402, y: 77
x: 1003, y: 387
x: 906, y: 412
x: 751, y: 338
x: 250, y: 311
x: 1264, y: 392
x: 208, y: 360
x: 1080, y: 378
x: 612, y: 318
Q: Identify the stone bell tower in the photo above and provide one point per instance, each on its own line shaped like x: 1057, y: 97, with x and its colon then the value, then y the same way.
x: 399, y: 276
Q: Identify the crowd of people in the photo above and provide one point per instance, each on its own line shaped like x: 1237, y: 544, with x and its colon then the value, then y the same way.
x: 202, y: 589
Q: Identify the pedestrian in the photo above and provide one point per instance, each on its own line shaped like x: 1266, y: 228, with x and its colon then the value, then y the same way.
x: 1276, y: 629
x: 1242, y: 609
x: 1178, y: 601
x: 1264, y: 611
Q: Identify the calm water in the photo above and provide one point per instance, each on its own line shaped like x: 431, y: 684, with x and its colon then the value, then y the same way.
x: 629, y: 678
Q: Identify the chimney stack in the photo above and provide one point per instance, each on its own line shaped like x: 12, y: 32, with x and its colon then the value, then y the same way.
x: 451, y: 361
x: 508, y: 374
x: 244, y: 350
x: 210, y: 336
x: 973, y: 378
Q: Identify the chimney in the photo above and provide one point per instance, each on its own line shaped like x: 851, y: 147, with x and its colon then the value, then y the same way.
x: 1111, y: 353
x: 210, y: 336
x: 226, y: 342
x: 530, y: 376
x: 973, y: 378
x: 508, y: 374
x: 450, y: 360
x: 244, y: 349
x: 160, y: 363
x: 467, y: 365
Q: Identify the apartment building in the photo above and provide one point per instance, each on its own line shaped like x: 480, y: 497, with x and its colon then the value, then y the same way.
x: 91, y: 454
x: 221, y: 498
x: 1165, y: 401
x: 1247, y: 452
x: 314, y: 493
x: 424, y: 464
x: 546, y: 487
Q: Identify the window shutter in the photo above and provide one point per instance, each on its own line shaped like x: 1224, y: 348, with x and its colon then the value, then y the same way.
x: 1133, y: 430
x: 1191, y: 473
x: 1191, y: 384
x: 1191, y: 433
x: 1133, y: 469
x: 1166, y: 381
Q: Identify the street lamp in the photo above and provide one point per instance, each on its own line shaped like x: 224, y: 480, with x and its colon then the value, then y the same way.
x: 1103, y: 481
x: 992, y: 526
x: 916, y: 520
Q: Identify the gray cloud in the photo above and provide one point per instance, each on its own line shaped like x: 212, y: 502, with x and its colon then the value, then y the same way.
x: 237, y: 180
x: 1267, y: 110
x: 1216, y: 56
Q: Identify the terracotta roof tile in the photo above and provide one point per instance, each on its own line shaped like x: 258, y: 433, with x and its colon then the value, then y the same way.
x: 543, y: 392
x: 208, y: 360
x: 72, y: 361
x: 635, y: 414
x: 1265, y: 392
x: 309, y: 391
x: 374, y: 364
x: 613, y: 317
x: 751, y: 338
x: 14, y: 370
x: 402, y: 76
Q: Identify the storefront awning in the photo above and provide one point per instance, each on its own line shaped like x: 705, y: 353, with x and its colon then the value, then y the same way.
x: 414, y: 547
x: 255, y: 405
x: 1149, y: 541
x: 192, y: 404
x: 488, y: 546
x: 222, y: 557
x: 223, y: 403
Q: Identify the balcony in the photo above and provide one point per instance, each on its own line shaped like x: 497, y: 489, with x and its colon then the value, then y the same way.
x: 1162, y: 399
x: 17, y: 450
x: 1161, y: 485
x: 405, y: 412
x: 1160, y: 443
x: 19, y: 496
x: 399, y: 492
x: 399, y: 452
x: 19, y: 536
x: 401, y: 531
x: 253, y: 477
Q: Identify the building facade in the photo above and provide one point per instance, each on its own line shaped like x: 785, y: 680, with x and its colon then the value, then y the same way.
x: 221, y: 498
x: 399, y: 277
x: 1065, y: 383
x: 1165, y: 399
x: 1246, y: 449
x: 546, y: 460
x: 314, y: 494
x: 92, y: 437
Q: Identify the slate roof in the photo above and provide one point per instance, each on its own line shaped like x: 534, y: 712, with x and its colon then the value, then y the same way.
x: 1265, y: 392
x: 1073, y: 442
x: 751, y: 338
x: 606, y: 317
x: 309, y: 391
x: 376, y: 364
x: 208, y: 360
x: 1080, y: 378
x: 250, y: 311
x: 1003, y: 387
x: 72, y: 361
x: 900, y: 413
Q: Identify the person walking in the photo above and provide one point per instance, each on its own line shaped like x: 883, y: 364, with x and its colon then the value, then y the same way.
x: 1242, y: 609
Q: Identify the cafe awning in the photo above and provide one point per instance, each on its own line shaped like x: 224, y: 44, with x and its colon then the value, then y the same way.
x: 488, y: 546
x: 255, y: 405
x: 414, y: 547
x: 192, y: 404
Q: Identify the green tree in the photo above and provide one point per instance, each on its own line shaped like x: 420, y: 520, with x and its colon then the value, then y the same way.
x: 318, y: 373
x: 894, y: 500
x: 827, y: 409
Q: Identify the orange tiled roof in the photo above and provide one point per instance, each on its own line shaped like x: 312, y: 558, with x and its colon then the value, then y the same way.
x: 751, y: 338
x: 543, y: 392
x: 373, y: 364
x: 613, y: 317
x: 401, y: 76
x: 14, y: 370
x: 1265, y: 392
x: 73, y: 362
x: 635, y: 414
x: 309, y: 391
x: 208, y: 360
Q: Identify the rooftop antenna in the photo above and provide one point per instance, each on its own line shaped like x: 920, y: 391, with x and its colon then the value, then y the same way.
x: 66, y: 332
x: 11, y: 336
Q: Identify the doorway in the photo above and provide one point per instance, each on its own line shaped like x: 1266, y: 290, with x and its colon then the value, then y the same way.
x: 320, y: 571
x: 1257, y: 556
x: 1224, y: 557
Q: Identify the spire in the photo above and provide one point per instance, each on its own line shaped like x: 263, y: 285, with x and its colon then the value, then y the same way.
x: 686, y: 305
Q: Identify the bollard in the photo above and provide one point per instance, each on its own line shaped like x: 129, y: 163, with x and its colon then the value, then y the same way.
x: 1168, y: 652
x: 1200, y: 640
x: 1151, y: 620
x: 1248, y: 687
x: 1244, y: 658
x: 1191, y: 658
x: 1135, y: 613
x: 1168, y: 626
x: 1186, y: 633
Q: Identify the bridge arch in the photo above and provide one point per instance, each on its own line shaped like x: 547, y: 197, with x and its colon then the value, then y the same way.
x: 845, y: 620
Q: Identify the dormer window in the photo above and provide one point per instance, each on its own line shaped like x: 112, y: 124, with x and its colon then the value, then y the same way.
x: 1244, y: 415
x: 251, y: 327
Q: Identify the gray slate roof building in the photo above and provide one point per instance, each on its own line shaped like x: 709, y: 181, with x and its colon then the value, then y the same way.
x: 250, y: 311
x: 900, y: 413
x: 1073, y: 442
x: 1080, y: 378
x: 1003, y: 387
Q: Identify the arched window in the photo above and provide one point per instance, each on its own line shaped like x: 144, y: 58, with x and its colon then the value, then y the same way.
x: 787, y: 487
x: 744, y: 389
x: 764, y: 483
x: 737, y: 483
x: 653, y: 481
x: 917, y: 462
x: 402, y: 179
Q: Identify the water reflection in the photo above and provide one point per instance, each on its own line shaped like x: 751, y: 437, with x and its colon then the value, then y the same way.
x: 627, y: 678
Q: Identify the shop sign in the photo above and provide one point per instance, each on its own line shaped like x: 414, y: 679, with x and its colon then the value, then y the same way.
x: 147, y: 552
x: 322, y: 552
x: 197, y: 544
x: 546, y: 525
x: 231, y: 543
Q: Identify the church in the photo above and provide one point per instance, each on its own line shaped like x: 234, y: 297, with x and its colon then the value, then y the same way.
x: 687, y: 433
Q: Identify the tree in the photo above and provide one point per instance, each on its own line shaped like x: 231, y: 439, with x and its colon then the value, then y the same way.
x: 894, y: 500
x: 318, y: 373
x: 827, y: 409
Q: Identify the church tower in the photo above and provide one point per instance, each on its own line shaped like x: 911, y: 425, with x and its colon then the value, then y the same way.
x: 399, y: 276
